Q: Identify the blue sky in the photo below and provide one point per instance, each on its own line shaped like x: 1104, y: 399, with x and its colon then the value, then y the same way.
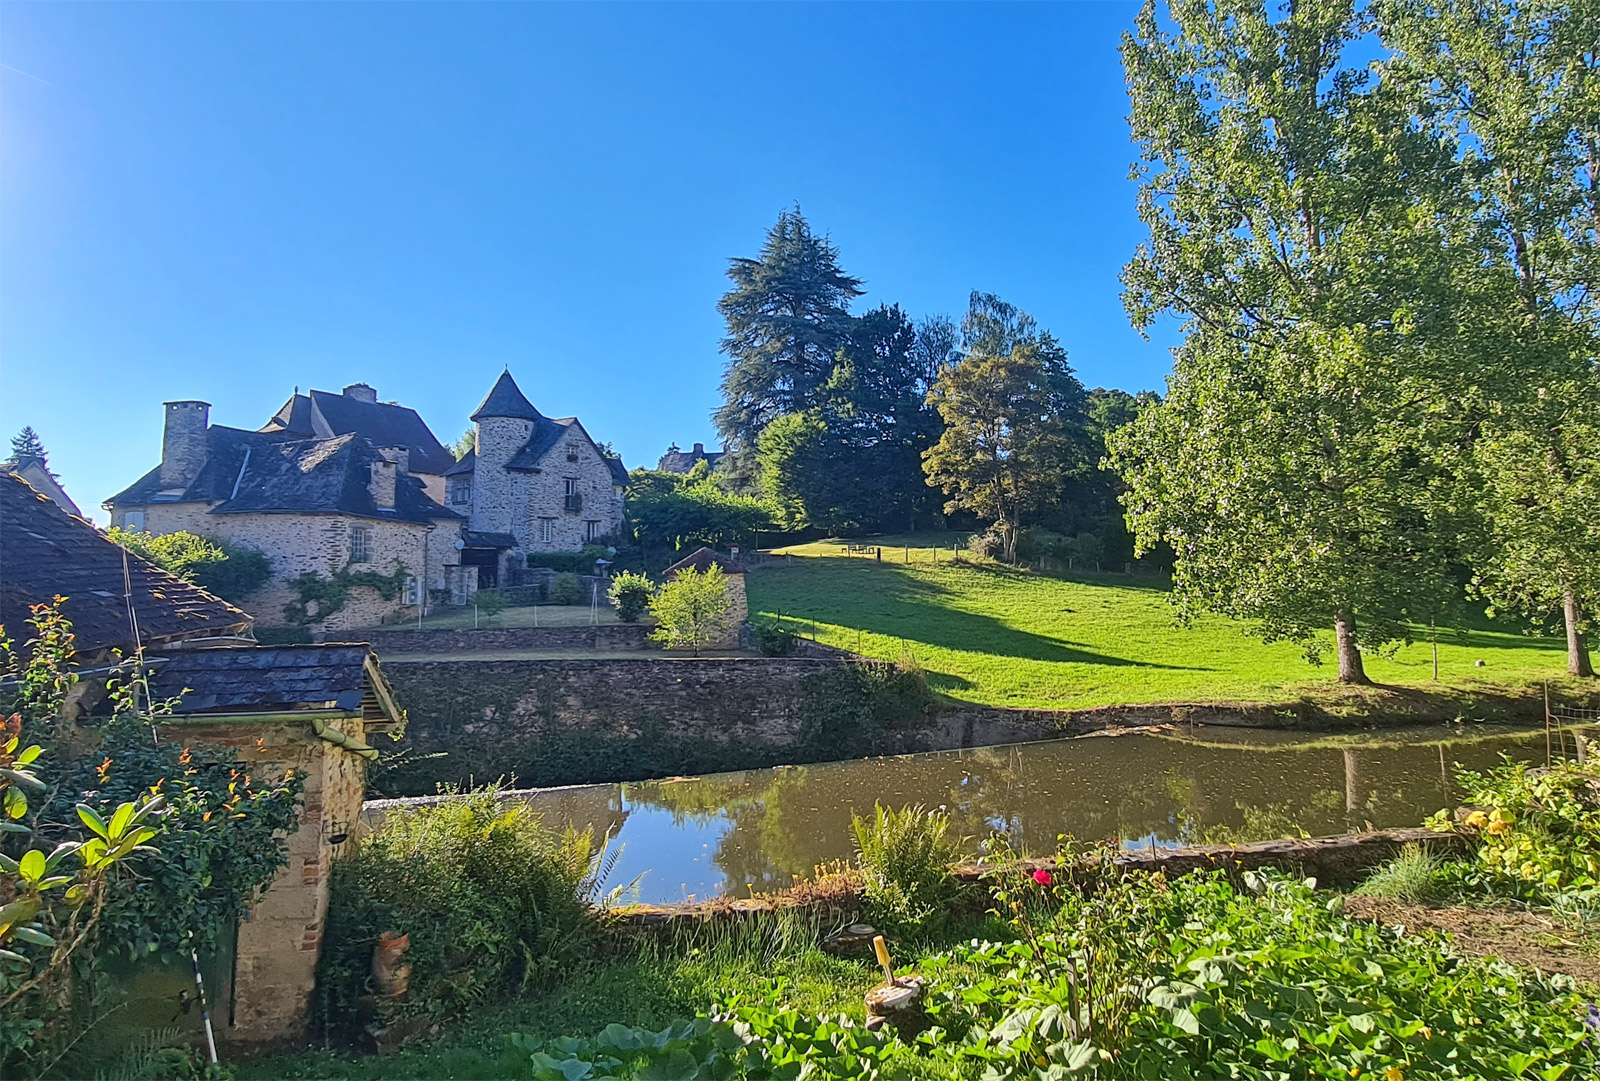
x: 224, y: 201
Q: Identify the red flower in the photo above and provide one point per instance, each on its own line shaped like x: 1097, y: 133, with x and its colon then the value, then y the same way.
x: 1042, y: 877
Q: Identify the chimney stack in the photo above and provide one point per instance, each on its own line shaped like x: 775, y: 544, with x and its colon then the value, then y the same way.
x: 183, y: 443
x: 382, y: 483
x: 400, y: 456
x: 700, y: 450
x: 361, y: 392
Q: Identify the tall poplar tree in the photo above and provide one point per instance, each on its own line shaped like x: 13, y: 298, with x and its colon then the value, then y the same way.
x: 1296, y: 462
x: 1521, y: 80
x: 788, y: 314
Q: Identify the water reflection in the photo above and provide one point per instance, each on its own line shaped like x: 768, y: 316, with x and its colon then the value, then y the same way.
x: 759, y: 829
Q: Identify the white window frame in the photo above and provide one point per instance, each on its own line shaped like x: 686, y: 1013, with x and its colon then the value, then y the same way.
x: 547, y: 530
x: 133, y: 521
x: 572, y: 485
x: 360, y: 544
x: 591, y: 529
x: 460, y: 492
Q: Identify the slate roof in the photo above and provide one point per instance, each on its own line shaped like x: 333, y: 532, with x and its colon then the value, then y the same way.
x: 276, y: 473
x: 506, y: 400
x: 473, y: 539
x: 702, y: 560
x: 546, y: 434
x: 465, y: 465
x: 323, y: 413
x: 272, y: 679
x: 619, y: 472
x: 45, y: 551
x: 681, y: 461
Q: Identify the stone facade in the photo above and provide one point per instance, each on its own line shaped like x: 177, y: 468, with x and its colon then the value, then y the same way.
x: 521, y: 502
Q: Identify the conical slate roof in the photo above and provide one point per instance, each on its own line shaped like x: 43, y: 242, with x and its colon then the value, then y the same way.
x: 506, y: 400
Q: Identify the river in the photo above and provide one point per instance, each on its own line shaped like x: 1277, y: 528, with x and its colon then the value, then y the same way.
x: 693, y: 838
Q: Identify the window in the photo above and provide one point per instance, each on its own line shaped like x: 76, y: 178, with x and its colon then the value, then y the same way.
x: 547, y: 529
x: 591, y: 531
x: 572, y: 485
x: 360, y: 544
x: 461, y: 490
x: 133, y: 520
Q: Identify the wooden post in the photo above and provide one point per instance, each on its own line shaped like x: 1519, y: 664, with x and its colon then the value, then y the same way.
x: 879, y: 552
x: 1547, y: 760
x: 1433, y: 634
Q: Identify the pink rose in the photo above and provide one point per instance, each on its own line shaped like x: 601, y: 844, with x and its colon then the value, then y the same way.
x: 1042, y: 877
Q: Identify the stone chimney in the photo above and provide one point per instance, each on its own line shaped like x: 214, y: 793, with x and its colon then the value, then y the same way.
x: 183, y: 443
x: 361, y: 392
x: 400, y: 456
x: 699, y: 450
x: 382, y: 483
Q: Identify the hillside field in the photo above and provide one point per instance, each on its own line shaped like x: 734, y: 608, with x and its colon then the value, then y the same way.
x: 992, y: 635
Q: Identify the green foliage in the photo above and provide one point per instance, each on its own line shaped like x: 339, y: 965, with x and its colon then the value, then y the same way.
x: 27, y: 444
x: 489, y: 602
x: 227, y: 570
x: 1412, y: 876
x: 906, y: 856
x: 1012, y: 431
x: 566, y: 589
x: 467, y: 444
x: 169, y: 842
x: 673, y: 511
x: 630, y: 594
x: 788, y: 315
x: 773, y: 638
x: 1539, y: 829
x: 493, y: 902
x: 318, y: 598
x: 580, y: 562
x: 692, y: 609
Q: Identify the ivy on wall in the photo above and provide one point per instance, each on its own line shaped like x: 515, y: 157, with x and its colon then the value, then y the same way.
x: 317, y: 597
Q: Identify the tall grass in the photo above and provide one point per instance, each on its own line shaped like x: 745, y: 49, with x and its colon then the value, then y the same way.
x: 1412, y: 877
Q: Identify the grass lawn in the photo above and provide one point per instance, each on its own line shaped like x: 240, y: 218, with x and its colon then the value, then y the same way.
x: 992, y: 635
x: 533, y: 615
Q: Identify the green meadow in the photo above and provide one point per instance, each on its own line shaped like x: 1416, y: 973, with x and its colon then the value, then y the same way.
x: 989, y: 634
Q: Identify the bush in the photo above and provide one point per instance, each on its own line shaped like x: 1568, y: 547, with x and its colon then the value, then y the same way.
x: 986, y: 545
x: 566, y: 589
x: 1539, y: 828
x: 489, y: 602
x: 692, y: 609
x: 579, y: 562
x: 773, y: 639
x: 492, y: 901
x: 630, y: 595
x: 241, y: 573
x: 906, y: 857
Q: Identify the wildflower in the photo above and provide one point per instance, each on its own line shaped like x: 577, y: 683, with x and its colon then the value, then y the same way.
x: 1477, y: 820
x: 1393, y: 1073
x: 1042, y: 877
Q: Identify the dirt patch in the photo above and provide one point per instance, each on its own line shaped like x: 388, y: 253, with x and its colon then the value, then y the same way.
x: 1515, y: 935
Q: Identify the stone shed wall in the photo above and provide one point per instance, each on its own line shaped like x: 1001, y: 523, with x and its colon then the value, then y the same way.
x: 549, y: 722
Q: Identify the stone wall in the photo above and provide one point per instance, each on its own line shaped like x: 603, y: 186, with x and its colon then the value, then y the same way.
x: 507, y: 502
x: 281, y: 935
x: 550, y: 722
x: 605, y: 636
x: 320, y: 544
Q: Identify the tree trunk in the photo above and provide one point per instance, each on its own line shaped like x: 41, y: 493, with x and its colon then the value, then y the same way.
x: 1344, y: 639
x: 1577, y: 649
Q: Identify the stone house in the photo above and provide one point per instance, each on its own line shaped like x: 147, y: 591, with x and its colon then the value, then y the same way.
x: 682, y: 461
x: 532, y: 484
x: 336, y: 507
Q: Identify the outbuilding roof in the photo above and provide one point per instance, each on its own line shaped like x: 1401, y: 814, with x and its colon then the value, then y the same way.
x: 46, y: 552
x: 275, y: 679
x: 702, y: 560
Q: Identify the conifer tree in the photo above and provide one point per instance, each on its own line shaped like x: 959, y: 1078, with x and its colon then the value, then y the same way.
x: 27, y: 444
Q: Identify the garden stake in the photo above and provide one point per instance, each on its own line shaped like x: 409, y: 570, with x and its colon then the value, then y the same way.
x: 880, y: 948
x: 200, y: 995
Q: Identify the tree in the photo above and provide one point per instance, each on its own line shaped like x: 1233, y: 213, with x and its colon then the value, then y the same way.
x: 1013, y: 430
x: 467, y: 444
x: 692, y: 609
x: 672, y: 510
x: 27, y: 444
x: 788, y: 314
x: 1311, y: 425
x: 1521, y: 80
x: 222, y: 568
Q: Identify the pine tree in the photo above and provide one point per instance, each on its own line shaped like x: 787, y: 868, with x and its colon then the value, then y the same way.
x: 788, y: 314
x: 27, y: 444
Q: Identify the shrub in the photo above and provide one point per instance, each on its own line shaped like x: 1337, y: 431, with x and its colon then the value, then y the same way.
x: 1539, y: 828
x: 490, y: 602
x: 579, y: 562
x: 986, y: 545
x: 774, y: 639
x: 241, y: 573
x: 692, y: 609
x: 630, y: 595
x: 906, y: 857
x: 566, y: 589
x: 493, y: 903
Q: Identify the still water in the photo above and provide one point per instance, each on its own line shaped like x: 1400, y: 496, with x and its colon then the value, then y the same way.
x: 694, y: 838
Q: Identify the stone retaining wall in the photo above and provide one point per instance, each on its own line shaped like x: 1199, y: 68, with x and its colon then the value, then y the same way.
x: 1342, y: 860
x: 604, y: 636
x: 552, y: 722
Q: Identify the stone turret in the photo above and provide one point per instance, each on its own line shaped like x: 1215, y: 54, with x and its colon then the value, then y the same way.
x: 504, y: 421
x: 183, y: 443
